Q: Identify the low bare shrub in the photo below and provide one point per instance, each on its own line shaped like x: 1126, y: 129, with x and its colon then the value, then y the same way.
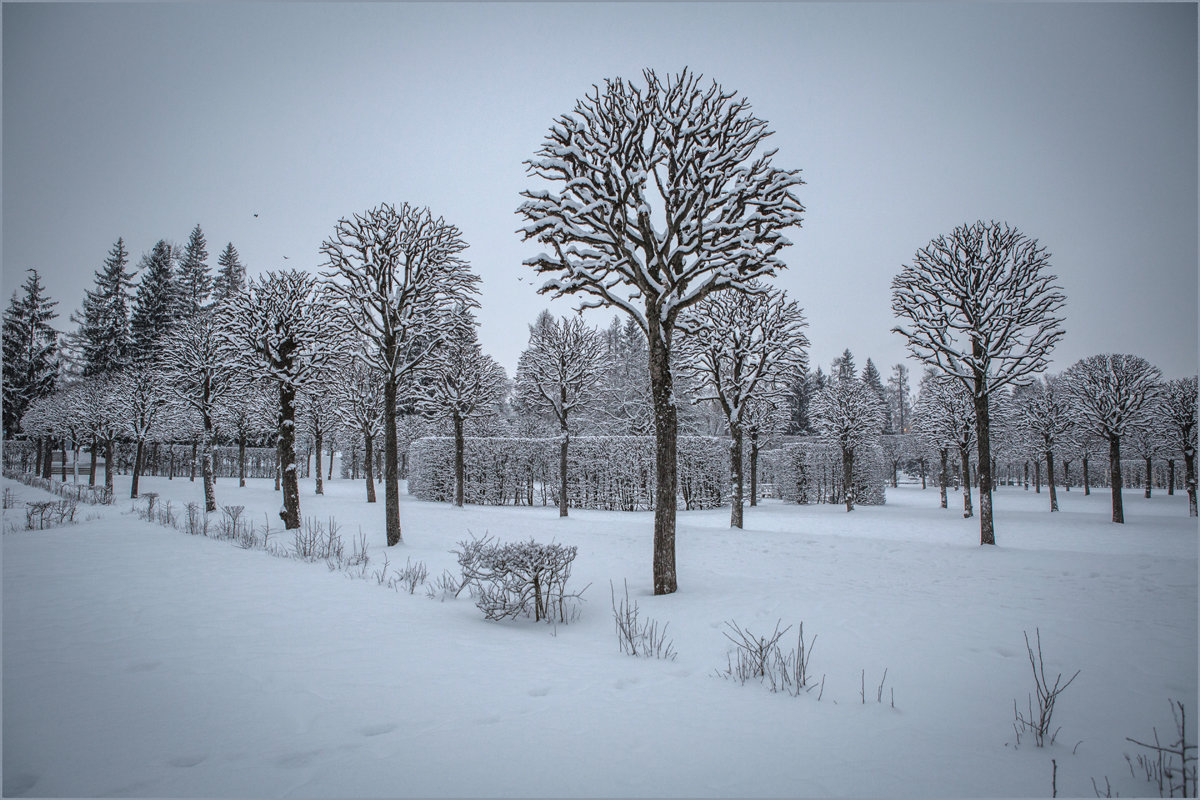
x: 761, y: 658
x: 1039, y: 723
x: 442, y: 588
x: 519, y: 578
x: 639, y: 637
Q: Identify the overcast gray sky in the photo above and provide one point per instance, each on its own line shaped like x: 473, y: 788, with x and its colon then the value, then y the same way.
x: 1075, y: 123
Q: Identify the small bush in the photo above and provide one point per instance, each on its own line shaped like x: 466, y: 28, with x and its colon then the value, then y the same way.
x: 413, y: 575
x: 761, y: 658
x: 444, y: 587
x: 519, y: 578
x: 49, y: 514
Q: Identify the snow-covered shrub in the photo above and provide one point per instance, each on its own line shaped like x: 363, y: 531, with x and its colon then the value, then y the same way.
x: 314, y: 541
x: 603, y: 472
x: 527, y: 578
x: 811, y: 472
x: 413, y: 575
x: 49, y: 514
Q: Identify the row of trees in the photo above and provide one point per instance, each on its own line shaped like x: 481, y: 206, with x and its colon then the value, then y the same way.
x: 659, y: 200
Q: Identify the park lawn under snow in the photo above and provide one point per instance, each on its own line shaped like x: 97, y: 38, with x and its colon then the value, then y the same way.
x: 139, y: 660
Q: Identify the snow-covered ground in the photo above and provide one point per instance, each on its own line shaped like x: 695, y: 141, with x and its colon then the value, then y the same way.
x: 138, y: 660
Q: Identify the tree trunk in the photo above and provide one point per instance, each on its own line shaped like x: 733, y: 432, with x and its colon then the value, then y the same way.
x: 895, y: 469
x: 287, y: 457
x: 945, y: 476
x: 848, y: 477
x: 1087, y: 483
x: 320, y: 446
x: 331, y: 446
x: 1189, y: 471
x: 459, y: 446
x: 923, y: 470
x: 739, y: 476
x: 666, y: 431
x: 1067, y: 474
x: 964, y: 460
x: 137, y: 469
x: 92, y: 468
x: 1027, y: 476
x: 1170, y: 477
x: 987, y: 531
x: 1114, y: 466
x: 1037, y: 477
x: 195, y: 447
x: 562, y: 471
x: 368, y: 446
x: 754, y: 469
x: 109, y: 457
x: 63, y: 448
x: 242, y: 460
x: 1149, y: 477
x: 391, y: 470
x: 1050, y: 480
x: 48, y: 459
x: 37, y: 461
x: 206, y: 469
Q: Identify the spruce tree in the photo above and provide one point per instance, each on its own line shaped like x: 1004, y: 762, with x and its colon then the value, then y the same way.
x: 194, y: 283
x: 153, y: 308
x: 104, y: 338
x: 231, y: 275
x: 872, y: 380
x: 30, y: 348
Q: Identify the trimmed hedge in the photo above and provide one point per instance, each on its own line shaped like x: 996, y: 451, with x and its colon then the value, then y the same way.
x: 811, y: 472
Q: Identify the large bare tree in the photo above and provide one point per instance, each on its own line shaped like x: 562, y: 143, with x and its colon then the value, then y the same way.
x: 557, y: 374
x: 1112, y: 394
x: 1045, y: 415
x: 397, y: 270
x: 661, y: 197
x: 742, y: 347
x: 283, y: 328
x: 980, y: 305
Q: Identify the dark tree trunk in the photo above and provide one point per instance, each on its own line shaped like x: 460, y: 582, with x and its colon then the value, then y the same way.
x: 945, y: 476
x: 1050, y: 480
x: 92, y: 468
x: 1027, y: 476
x: 63, y: 447
x: 195, y: 447
x: 1114, y: 466
x: 331, y: 445
x: 37, y: 461
x: 48, y: 459
x: 666, y: 431
x: 1189, y: 472
x: 987, y: 531
x: 137, y: 469
x: 895, y: 469
x: 109, y: 466
x: 287, y: 457
x: 1170, y: 477
x: 964, y: 460
x: 739, y: 476
x: 459, y: 446
x: 391, y: 469
x: 368, y: 445
x: 923, y: 471
x: 1149, y: 477
x: 320, y: 446
x: 1087, y: 482
x: 1067, y: 474
x: 562, y: 471
x: 1037, y: 477
x: 754, y: 469
x: 242, y: 460
x: 848, y: 477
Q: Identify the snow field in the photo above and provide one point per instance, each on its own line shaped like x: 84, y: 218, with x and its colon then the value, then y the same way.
x: 142, y: 661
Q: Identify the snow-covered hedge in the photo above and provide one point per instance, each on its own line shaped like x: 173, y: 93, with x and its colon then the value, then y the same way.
x: 811, y: 472
x: 603, y: 472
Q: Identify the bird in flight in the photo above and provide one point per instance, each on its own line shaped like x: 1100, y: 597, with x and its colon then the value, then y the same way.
x: 256, y: 216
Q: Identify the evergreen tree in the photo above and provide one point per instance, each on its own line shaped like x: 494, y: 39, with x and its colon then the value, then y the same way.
x: 30, y: 349
x: 153, y: 307
x: 231, y: 275
x: 799, y: 397
x: 843, y: 368
x: 104, y: 338
x: 193, y: 283
x: 872, y: 380
x: 899, y: 402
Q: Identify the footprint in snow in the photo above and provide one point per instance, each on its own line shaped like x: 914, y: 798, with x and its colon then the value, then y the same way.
x: 185, y: 761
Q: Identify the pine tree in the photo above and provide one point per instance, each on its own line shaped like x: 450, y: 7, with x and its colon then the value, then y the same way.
x: 872, y: 380
x: 193, y: 283
x: 899, y: 403
x: 153, y: 307
x: 843, y: 368
x: 30, y: 349
x: 231, y: 276
x: 105, y: 339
